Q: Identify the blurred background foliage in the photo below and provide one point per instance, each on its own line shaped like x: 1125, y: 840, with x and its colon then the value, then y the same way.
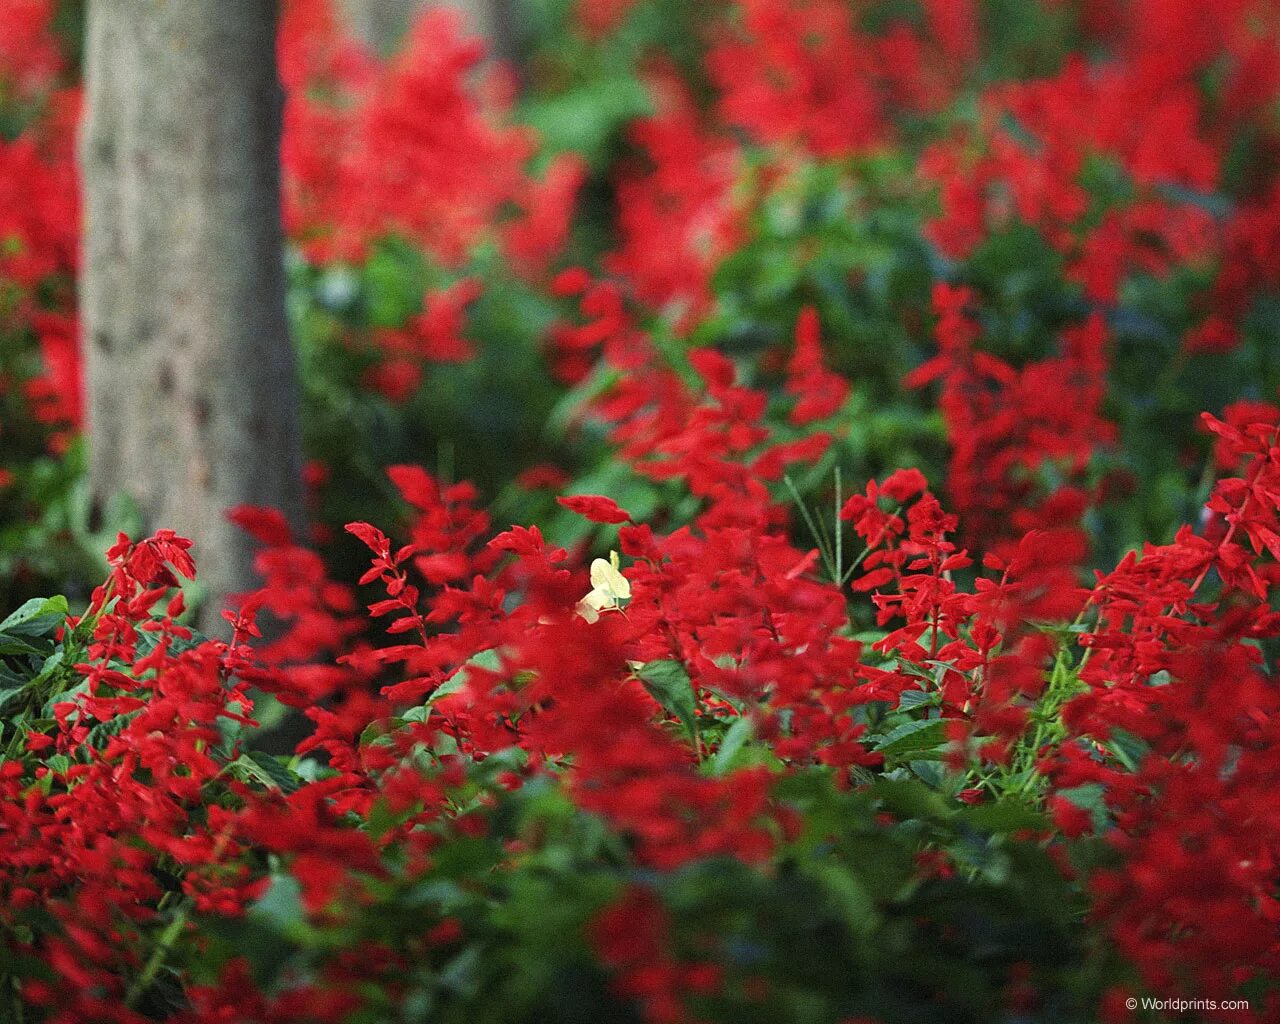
x: 629, y: 102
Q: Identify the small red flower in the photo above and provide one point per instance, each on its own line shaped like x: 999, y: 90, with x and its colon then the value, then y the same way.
x: 595, y: 507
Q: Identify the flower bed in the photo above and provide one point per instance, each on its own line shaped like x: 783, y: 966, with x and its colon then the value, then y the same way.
x: 855, y: 618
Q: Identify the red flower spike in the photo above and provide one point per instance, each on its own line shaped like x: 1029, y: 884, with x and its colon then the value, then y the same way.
x: 596, y: 508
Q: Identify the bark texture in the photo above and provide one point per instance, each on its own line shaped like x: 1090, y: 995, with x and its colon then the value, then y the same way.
x: 382, y: 23
x: 192, y: 397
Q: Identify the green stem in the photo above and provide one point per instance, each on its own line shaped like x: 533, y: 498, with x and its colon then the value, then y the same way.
x: 839, y: 528
x: 824, y: 547
x: 19, y: 1005
x: 158, y: 955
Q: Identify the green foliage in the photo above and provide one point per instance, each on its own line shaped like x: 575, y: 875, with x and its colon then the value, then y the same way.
x: 37, y: 669
x: 481, y: 420
x: 668, y: 684
x: 843, y: 925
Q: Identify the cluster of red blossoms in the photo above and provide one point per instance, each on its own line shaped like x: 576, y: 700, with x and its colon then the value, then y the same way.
x: 1008, y: 425
x: 363, y: 160
x: 39, y: 220
x: 1171, y: 706
x: 361, y: 163
x: 139, y: 792
x: 1118, y: 165
x: 803, y: 80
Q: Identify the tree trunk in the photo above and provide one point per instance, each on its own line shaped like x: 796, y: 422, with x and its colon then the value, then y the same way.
x: 192, y: 397
x: 381, y: 24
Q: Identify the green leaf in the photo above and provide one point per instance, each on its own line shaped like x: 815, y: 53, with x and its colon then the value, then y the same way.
x: 668, y: 683
x: 1089, y: 797
x: 379, y: 729
x: 11, y: 680
x: 50, y: 665
x: 16, y: 645
x: 911, y: 799
x: 912, y: 699
x: 488, y: 659
x: 64, y: 697
x: 39, y: 617
x: 392, y: 285
x: 281, y: 904
x: 849, y: 896
x: 913, y: 737
x: 929, y: 772
x: 1004, y: 816
x: 1213, y: 203
x: 268, y: 770
x: 98, y: 735
x: 739, y: 733
x: 1127, y: 748
x: 462, y: 973
x: 583, y: 119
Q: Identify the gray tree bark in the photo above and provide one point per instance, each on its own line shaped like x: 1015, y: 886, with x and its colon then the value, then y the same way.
x: 192, y: 397
x: 381, y: 24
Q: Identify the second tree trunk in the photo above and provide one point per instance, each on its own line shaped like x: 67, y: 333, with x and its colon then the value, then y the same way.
x: 192, y: 404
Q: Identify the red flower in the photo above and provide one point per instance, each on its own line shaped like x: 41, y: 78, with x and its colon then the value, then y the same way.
x: 596, y: 508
